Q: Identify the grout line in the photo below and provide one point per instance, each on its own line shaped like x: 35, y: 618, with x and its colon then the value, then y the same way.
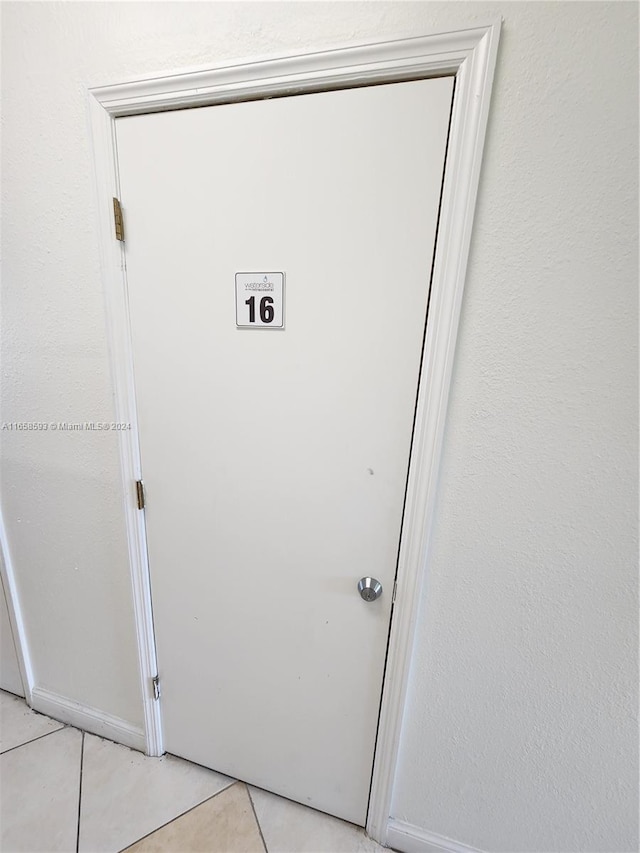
x: 80, y: 794
x: 255, y: 814
x: 182, y: 814
x: 34, y: 739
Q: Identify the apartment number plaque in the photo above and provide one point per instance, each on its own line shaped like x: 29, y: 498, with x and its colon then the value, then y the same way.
x: 260, y: 300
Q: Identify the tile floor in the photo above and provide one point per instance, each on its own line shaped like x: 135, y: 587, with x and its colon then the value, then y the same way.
x: 64, y: 790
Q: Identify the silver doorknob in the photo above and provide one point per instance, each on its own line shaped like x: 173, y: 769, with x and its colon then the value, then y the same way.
x: 369, y: 588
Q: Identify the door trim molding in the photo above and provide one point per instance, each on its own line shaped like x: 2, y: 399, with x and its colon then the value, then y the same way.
x: 16, y: 621
x: 476, y: 55
x: 112, y: 264
x: 468, y: 54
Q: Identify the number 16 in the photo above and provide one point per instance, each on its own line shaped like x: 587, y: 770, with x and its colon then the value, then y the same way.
x: 266, y: 309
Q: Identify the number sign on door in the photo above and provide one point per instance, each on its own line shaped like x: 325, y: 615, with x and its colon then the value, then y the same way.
x: 260, y: 300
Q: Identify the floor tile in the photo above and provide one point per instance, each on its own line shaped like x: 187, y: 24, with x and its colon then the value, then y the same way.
x: 19, y: 724
x: 224, y: 824
x: 288, y: 827
x: 126, y: 795
x: 39, y: 794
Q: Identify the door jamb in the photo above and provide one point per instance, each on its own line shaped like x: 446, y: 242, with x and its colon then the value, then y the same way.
x: 468, y: 54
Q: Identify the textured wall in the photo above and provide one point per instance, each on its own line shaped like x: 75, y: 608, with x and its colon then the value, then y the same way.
x: 522, y: 701
x: 518, y: 734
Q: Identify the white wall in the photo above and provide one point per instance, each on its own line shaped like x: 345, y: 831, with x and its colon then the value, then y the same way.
x: 518, y: 734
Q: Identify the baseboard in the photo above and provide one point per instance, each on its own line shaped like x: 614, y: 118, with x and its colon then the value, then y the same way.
x: 87, y: 718
x: 412, y: 839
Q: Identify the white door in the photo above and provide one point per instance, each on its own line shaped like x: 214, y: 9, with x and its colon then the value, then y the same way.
x: 275, y: 459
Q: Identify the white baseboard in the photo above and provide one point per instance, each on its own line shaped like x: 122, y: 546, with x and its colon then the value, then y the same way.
x: 412, y: 839
x: 86, y: 718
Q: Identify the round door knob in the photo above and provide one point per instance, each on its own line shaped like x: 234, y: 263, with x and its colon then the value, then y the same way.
x: 369, y: 588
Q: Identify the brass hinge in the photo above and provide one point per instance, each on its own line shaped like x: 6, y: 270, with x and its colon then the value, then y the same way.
x: 156, y: 687
x: 119, y: 221
x: 140, y: 494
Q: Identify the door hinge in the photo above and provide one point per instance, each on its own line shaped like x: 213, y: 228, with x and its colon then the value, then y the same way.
x: 119, y: 221
x: 140, y: 494
x: 393, y: 594
x: 155, y: 681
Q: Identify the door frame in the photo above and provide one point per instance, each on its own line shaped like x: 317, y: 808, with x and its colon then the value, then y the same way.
x: 16, y: 620
x: 470, y: 56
